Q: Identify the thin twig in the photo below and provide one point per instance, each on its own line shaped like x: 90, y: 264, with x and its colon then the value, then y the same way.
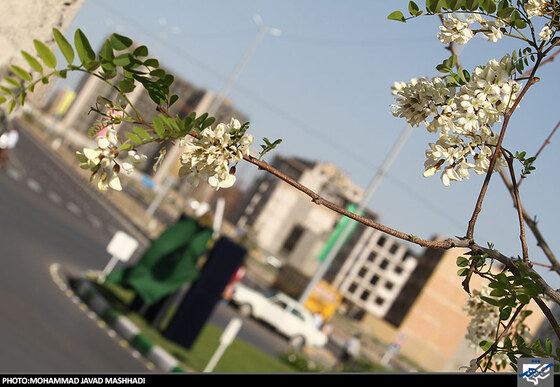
x: 533, y: 226
x: 517, y: 202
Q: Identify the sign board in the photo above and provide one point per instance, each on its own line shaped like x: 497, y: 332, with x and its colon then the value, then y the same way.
x: 122, y: 246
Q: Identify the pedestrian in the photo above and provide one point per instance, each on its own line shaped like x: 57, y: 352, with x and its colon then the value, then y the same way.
x: 351, y: 351
x: 8, y: 141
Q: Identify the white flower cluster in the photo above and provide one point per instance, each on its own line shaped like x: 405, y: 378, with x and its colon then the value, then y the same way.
x: 460, y: 32
x: 535, y: 7
x: 462, y: 116
x: 102, y: 161
x: 210, y: 157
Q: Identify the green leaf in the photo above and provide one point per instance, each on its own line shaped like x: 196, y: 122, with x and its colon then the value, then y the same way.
x: 85, y: 52
x: 548, y: 346
x: 489, y: 300
x: 123, y: 60
x: 462, y: 272
x: 488, y: 5
x: 443, y: 68
x: 141, y: 133
x: 64, y: 46
x: 413, y: 8
x: 152, y: 62
x: 23, y: 74
x: 471, y: 5
x: 172, y: 99
x: 126, y: 86
x: 434, y: 6
x: 5, y: 90
x: 485, y: 345
x: 453, y: 5
x: 13, y: 81
x: 106, y: 52
x: 126, y: 146
x: 498, y: 292
x: 505, y: 13
x: 505, y: 313
x: 45, y: 54
x: 397, y: 15
x: 141, y: 51
x: 158, y: 127
x: 462, y: 261
x: 2, y: 99
x: 134, y: 138
x: 120, y: 42
x: 34, y: 63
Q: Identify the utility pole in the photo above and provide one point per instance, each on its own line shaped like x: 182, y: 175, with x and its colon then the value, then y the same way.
x: 374, y: 184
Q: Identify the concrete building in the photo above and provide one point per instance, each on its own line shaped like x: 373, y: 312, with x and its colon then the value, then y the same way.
x: 287, y: 225
x: 372, y: 272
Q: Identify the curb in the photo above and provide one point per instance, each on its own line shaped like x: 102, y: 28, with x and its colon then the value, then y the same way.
x: 125, y: 328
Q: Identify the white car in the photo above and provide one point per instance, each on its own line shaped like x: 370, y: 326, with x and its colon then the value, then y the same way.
x: 283, y: 313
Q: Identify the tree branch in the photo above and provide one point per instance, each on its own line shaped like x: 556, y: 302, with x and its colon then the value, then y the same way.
x: 497, y: 151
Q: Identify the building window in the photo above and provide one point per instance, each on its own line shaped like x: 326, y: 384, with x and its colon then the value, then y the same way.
x: 362, y: 273
x: 374, y: 279
x: 379, y: 300
x: 394, y: 248
x: 292, y: 239
x: 383, y: 265
x: 352, y: 288
x: 389, y: 285
x: 381, y: 240
x: 365, y: 295
x: 398, y: 269
x: 371, y: 256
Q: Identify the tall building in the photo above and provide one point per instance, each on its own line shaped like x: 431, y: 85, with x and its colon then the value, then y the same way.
x: 286, y: 224
x: 371, y: 274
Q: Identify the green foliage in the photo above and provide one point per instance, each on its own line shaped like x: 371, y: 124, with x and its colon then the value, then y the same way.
x: 117, y: 56
x: 268, y: 146
x: 527, y: 163
x: 503, y: 9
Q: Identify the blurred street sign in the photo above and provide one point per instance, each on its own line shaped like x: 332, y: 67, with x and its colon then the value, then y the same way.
x: 121, y: 248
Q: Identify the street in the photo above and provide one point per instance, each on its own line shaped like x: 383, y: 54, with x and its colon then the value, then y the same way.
x: 47, y: 218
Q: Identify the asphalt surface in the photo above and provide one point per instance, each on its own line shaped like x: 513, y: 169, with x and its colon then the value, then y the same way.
x: 48, y: 217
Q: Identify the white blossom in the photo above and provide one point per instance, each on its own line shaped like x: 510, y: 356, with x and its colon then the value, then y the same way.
x: 463, y: 117
x: 102, y: 161
x: 535, y: 7
x: 546, y: 33
x: 210, y: 156
x: 454, y: 30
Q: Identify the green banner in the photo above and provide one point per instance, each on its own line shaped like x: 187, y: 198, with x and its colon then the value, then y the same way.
x: 169, y: 263
x: 337, y: 231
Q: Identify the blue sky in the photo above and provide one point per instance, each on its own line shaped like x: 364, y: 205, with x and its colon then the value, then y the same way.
x: 323, y: 86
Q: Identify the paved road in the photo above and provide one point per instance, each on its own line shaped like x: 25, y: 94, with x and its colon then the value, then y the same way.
x: 46, y: 218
